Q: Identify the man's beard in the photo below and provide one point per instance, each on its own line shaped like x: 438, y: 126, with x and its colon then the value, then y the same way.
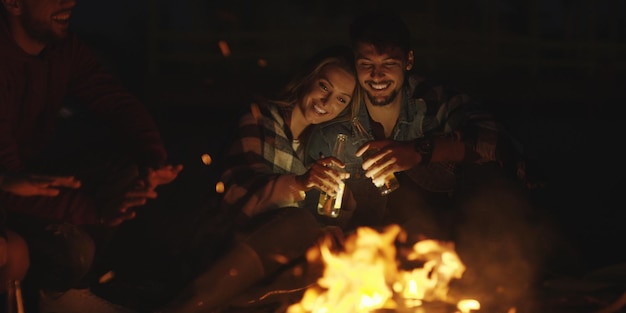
x: 38, y: 30
x: 384, y: 101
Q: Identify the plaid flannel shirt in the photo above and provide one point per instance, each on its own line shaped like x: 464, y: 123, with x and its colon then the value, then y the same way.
x: 261, y: 164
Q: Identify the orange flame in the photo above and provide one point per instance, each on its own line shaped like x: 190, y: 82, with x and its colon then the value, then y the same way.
x: 364, y: 277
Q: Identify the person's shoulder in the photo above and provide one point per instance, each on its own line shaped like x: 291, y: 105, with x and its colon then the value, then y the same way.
x: 334, y: 125
x: 258, y: 111
x: 325, y: 133
x: 253, y: 105
x: 264, y: 108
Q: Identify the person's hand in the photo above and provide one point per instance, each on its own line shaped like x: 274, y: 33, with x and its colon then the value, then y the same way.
x: 37, y: 185
x: 162, y: 175
x: 323, y: 176
x: 391, y: 157
x: 134, y: 198
x: 139, y: 194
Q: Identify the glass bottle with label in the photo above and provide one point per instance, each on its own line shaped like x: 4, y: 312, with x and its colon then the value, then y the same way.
x: 360, y: 137
x: 328, y: 205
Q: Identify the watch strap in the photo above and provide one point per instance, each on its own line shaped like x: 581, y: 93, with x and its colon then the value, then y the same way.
x: 424, y: 146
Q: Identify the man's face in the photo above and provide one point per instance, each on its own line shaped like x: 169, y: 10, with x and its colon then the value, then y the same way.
x: 381, y: 74
x: 46, y: 20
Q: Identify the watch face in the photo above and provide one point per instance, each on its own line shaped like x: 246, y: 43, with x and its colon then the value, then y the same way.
x: 424, y: 146
x: 427, y: 145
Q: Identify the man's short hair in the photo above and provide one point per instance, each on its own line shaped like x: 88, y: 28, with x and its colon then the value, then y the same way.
x: 383, y: 30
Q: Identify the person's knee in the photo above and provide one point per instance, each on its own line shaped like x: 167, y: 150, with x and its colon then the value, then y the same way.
x: 18, y: 260
x: 302, y: 222
x: 299, y: 230
x: 285, y: 236
x: 66, y: 260
x: 79, y: 251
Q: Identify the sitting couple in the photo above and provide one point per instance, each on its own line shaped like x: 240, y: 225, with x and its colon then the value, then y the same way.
x: 278, y: 163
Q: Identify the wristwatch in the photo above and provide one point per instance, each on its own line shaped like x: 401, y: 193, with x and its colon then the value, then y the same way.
x: 424, y: 146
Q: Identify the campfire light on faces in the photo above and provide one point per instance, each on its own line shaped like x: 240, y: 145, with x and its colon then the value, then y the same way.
x: 366, y: 277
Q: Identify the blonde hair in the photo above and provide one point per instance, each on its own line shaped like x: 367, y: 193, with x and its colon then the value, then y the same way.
x: 295, y: 90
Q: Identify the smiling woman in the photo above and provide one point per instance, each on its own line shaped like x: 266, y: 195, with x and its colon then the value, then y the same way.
x: 266, y: 182
x: 328, y: 96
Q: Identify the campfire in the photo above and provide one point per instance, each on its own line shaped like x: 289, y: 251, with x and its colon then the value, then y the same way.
x: 369, y: 275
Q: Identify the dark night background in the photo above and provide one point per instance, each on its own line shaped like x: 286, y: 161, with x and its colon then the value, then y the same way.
x: 553, y: 71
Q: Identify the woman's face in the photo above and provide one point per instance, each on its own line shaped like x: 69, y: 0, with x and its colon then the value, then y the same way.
x: 328, y: 95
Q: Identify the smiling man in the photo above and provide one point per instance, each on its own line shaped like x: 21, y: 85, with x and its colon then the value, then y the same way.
x: 426, y: 132
x: 38, y: 23
x: 454, y: 162
x: 68, y: 193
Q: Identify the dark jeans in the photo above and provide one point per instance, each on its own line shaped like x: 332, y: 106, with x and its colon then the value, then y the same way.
x: 280, y: 239
x: 285, y: 232
x: 62, y: 254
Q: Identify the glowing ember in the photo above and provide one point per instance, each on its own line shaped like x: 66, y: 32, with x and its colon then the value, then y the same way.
x: 224, y: 48
x: 365, y: 276
x: 206, y: 159
x: 466, y: 306
x: 219, y: 187
x: 107, y: 277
